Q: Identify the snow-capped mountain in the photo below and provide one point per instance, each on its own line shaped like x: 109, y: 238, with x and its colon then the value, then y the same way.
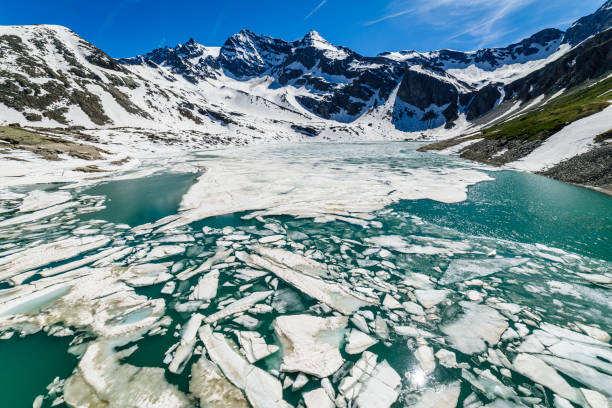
x: 255, y: 85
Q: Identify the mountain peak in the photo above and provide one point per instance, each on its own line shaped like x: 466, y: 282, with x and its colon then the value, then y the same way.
x: 606, y: 5
x: 313, y: 38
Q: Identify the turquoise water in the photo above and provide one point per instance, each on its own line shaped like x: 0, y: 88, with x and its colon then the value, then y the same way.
x: 31, y: 363
x: 529, y: 208
x: 142, y: 200
x: 562, y: 230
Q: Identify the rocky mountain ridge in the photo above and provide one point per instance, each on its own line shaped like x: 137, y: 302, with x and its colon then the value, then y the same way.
x: 257, y: 88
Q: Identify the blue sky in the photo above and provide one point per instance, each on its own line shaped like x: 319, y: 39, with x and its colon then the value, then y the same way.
x: 128, y: 27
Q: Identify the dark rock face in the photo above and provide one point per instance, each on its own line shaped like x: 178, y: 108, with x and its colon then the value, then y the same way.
x: 590, y: 25
x: 589, y: 60
x: 247, y: 54
x: 479, y: 102
x: 180, y: 60
x: 422, y: 90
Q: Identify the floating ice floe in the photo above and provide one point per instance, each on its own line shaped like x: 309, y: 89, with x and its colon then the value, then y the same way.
x: 185, y: 348
x: 206, y: 289
x: 38, y: 200
x: 146, y: 275
x: 584, y: 374
x: 45, y: 254
x: 478, y: 324
x: 430, y: 298
x: 310, y: 343
x: 37, y: 215
x: 220, y: 256
x: 539, y: 372
x: 358, y: 342
x: 254, y: 346
x: 466, y: 269
x: 212, y: 389
x: 595, y: 333
x: 332, y: 294
x: 425, y: 357
x: 293, y: 261
x: 91, y: 299
x: 101, y: 380
x: 445, y: 396
x: 163, y: 251
x: 239, y: 306
x: 261, y: 389
x: 370, y: 384
x: 318, y: 398
x: 106, y: 254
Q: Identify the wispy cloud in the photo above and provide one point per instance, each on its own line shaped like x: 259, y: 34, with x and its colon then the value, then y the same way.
x: 480, y: 19
x: 321, y: 4
x: 390, y: 16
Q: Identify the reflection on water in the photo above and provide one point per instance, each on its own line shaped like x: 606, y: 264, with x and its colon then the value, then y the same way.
x: 139, y: 201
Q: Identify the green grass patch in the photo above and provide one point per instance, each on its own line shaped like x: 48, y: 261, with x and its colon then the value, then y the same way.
x: 604, y: 137
x: 555, y: 115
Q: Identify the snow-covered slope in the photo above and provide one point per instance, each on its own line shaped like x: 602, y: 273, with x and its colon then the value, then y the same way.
x: 258, y: 88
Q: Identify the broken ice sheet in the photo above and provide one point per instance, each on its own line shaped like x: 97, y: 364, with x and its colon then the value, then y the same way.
x: 101, y: 380
x: 466, y: 269
x: 261, y: 389
x: 476, y: 327
x: 333, y: 294
x: 310, y: 343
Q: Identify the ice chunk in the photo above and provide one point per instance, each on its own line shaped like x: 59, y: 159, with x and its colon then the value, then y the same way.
x: 37, y: 215
x: 332, y: 294
x: 466, y: 269
x: 271, y: 238
x: 300, y: 381
x: 318, y: 398
x: 381, y: 388
x: 445, y: 396
x: 220, y: 256
x: 430, y: 298
x: 570, y: 335
x: 38, y: 200
x: 586, y: 375
x: 239, y: 306
x: 595, y: 332
x: 595, y: 399
x: 185, y: 348
x: 539, y: 372
x: 164, y: 251
x: 292, y: 260
x: 391, y: 303
x: 425, y: 357
x: 310, y: 343
x: 478, y: 324
x: 146, y: 275
x: 212, y: 389
x: 92, y: 299
x: 413, y: 308
x: 45, y: 254
x: 101, y: 377
x: 418, y: 281
x: 447, y: 358
x: 358, y: 342
x: 110, y: 253
x: 596, y: 357
x: 262, y: 389
x: 254, y: 346
x: 168, y: 288
x: 206, y: 289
